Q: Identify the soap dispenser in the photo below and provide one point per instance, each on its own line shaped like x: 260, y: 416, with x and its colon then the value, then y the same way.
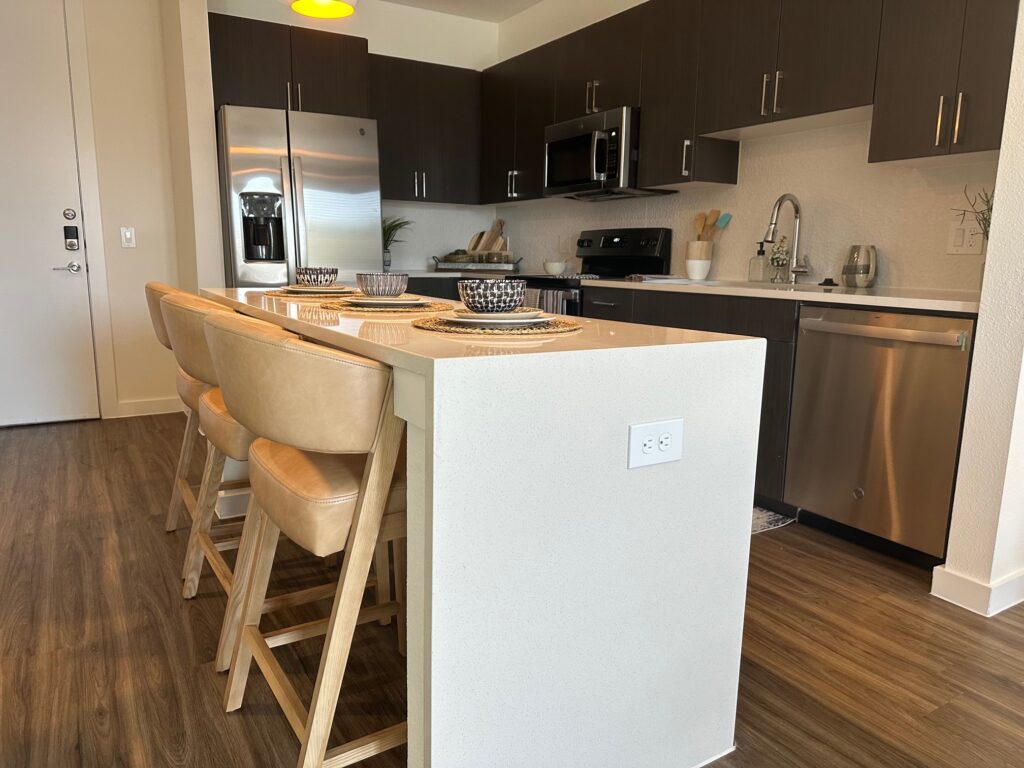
x: 758, y: 270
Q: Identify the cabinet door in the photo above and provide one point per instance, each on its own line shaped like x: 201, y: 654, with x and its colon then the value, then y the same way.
x: 251, y: 62
x: 535, y: 111
x: 770, y: 480
x: 738, y: 48
x: 435, y: 287
x: 984, y: 75
x: 772, y: 319
x: 331, y: 73
x: 598, y: 67
x: 608, y: 304
x: 447, y: 119
x: 498, y: 135
x: 393, y: 99
x: 918, y: 59
x: 828, y: 52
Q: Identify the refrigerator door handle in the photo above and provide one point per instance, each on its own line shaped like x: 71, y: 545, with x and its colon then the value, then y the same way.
x: 289, y: 223
x: 300, y: 213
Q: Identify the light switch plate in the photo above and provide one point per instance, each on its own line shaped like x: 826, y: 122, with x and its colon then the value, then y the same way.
x: 127, y: 237
x: 657, y: 442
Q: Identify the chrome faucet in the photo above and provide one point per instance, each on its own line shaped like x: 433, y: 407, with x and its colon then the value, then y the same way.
x: 796, y: 265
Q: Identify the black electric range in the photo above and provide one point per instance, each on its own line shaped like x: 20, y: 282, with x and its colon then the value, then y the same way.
x: 604, y: 254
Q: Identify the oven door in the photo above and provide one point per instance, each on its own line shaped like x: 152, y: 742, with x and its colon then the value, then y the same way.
x: 581, y: 156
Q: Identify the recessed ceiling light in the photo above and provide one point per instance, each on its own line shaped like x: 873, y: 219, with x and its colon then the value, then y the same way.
x: 325, y: 9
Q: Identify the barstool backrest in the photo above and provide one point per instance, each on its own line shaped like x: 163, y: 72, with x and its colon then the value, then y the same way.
x: 183, y: 315
x: 290, y: 391
x: 154, y: 292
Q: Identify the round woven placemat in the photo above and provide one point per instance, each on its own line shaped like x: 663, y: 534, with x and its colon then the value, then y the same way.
x: 344, y: 306
x: 556, y: 325
x: 281, y: 294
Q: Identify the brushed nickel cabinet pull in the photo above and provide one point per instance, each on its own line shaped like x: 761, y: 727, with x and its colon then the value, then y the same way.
x: 764, y: 94
x: 424, y: 185
x: 590, y: 85
x: 300, y: 96
x: 416, y: 183
x: 686, y: 152
x: 938, y: 121
x: 288, y: 86
x: 593, y: 98
x: 956, y: 121
x: 775, y: 101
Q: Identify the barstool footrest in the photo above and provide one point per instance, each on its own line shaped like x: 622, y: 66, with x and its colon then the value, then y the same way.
x: 188, y: 495
x: 217, y: 562
x: 357, y: 750
x: 293, y: 634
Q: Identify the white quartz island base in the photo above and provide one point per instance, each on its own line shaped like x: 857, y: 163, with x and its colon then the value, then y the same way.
x: 565, y: 611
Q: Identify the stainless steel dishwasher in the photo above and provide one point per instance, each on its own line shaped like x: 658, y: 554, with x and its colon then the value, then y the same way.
x: 878, y: 401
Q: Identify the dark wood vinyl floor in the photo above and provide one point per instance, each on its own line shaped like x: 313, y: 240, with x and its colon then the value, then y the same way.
x: 847, y: 660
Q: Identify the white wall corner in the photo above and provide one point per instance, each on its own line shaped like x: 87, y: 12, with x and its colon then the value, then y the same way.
x: 984, y: 599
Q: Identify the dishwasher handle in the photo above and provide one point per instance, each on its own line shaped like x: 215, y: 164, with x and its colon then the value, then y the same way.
x: 909, y: 335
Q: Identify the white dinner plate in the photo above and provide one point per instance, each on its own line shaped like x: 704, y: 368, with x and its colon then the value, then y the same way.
x: 511, y: 322
x: 523, y: 313
x: 390, y: 301
x: 339, y: 289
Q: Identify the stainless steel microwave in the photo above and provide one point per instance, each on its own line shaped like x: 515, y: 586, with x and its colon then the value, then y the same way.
x: 593, y: 157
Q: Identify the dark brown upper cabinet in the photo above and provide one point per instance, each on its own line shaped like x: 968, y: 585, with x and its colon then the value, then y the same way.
x: 428, y: 127
x: 943, y: 76
x: 765, y: 60
x: 670, y: 150
x: 259, y: 64
x: 251, y: 62
x: 517, y: 104
x: 331, y: 73
x: 598, y: 67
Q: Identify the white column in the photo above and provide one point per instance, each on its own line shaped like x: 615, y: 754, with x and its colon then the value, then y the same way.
x: 984, y: 570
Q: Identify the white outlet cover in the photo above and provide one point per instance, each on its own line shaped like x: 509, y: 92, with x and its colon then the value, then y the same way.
x: 127, y: 237
x: 965, y: 239
x: 657, y: 442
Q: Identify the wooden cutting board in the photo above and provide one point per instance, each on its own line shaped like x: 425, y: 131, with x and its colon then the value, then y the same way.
x: 492, y: 239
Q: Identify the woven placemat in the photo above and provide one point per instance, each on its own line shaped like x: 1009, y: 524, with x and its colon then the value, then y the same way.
x: 344, y: 306
x: 281, y: 294
x: 556, y: 325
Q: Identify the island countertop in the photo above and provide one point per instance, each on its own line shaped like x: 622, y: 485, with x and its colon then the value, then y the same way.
x: 552, y: 590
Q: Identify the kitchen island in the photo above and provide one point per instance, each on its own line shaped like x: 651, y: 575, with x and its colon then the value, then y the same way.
x: 564, y: 610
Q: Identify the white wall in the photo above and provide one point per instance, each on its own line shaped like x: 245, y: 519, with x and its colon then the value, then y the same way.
x: 392, y: 30
x: 436, y: 230
x: 985, y: 566
x: 904, y: 210
x: 551, y: 19
x: 132, y: 149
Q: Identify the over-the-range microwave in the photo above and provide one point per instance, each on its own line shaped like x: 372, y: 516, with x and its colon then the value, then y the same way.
x: 594, y: 157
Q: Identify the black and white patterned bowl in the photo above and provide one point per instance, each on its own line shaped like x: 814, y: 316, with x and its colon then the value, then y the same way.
x: 321, y: 276
x: 492, y: 295
x: 382, y: 283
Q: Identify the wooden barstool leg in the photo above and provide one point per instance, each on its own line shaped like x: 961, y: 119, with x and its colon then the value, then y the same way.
x: 188, y: 443
x: 202, y: 519
x: 236, y: 596
x: 400, y: 550
x: 382, y: 571
x: 255, y: 586
x: 359, y: 551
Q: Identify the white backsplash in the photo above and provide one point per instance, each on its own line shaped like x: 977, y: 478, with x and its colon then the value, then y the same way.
x: 436, y: 230
x: 903, y: 209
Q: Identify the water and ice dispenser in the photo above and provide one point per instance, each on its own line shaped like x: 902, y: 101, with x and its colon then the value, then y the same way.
x: 263, y: 226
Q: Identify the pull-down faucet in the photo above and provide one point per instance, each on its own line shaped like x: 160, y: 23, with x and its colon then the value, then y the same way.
x: 796, y: 266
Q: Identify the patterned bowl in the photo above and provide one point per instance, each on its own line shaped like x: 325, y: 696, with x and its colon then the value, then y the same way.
x: 382, y: 283
x: 322, y: 276
x: 492, y: 295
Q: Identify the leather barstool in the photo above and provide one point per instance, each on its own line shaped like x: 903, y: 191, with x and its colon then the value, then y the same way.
x: 190, y: 390
x: 183, y: 317
x: 323, y: 473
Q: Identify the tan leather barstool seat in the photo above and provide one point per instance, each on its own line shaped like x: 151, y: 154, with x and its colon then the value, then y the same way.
x: 221, y: 429
x: 312, y: 496
x: 190, y: 389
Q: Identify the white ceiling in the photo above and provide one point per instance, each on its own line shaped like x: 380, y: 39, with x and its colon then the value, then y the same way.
x: 485, y: 10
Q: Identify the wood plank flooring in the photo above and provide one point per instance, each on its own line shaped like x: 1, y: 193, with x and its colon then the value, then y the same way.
x: 847, y: 660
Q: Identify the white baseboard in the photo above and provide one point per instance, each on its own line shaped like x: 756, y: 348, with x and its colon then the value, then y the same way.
x: 985, y: 599
x: 127, y: 408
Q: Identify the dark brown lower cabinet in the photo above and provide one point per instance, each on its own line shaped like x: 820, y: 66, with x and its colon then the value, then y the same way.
x: 435, y: 287
x: 608, y: 304
x: 775, y: 320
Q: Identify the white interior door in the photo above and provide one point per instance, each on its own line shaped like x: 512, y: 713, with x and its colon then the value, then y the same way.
x: 48, y: 367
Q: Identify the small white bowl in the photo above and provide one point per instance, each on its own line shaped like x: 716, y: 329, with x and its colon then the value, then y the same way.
x: 555, y: 268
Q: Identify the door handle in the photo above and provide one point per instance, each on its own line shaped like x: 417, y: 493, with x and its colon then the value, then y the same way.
x: 508, y: 185
x: 686, y: 151
x: 593, y: 96
x: 515, y: 177
x: 908, y: 335
x: 288, y: 87
x: 604, y: 303
x: 299, y: 89
x: 416, y: 184
x: 938, y: 121
x: 72, y: 266
x: 956, y: 120
x: 424, y: 185
x: 775, y: 99
x: 590, y: 85
x: 596, y: 138
x: 289, y: 224
x: 300, y: 214
x: 764, y: 94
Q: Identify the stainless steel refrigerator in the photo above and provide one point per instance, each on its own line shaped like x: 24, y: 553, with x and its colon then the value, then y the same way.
x: 298, y: 189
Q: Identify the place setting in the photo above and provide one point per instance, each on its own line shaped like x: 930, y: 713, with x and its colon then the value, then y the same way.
x: 312, y: 284
x: 495, y: 308
x: 384, y: 292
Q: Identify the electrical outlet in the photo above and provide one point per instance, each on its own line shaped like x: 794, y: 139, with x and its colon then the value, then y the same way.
x: 657, y: 442
x: 965, y: 239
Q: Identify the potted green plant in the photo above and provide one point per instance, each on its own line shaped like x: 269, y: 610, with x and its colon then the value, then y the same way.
x: 980, y: 209
x: 391, y: 228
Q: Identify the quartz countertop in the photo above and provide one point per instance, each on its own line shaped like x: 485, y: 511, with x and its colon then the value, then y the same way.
x: 883, y: 298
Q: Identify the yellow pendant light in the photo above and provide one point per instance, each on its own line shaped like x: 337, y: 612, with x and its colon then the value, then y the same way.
x: 325, y: 9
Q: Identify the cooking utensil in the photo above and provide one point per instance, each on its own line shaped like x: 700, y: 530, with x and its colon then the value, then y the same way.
x: 698, y: 224
x: 709, y: 224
